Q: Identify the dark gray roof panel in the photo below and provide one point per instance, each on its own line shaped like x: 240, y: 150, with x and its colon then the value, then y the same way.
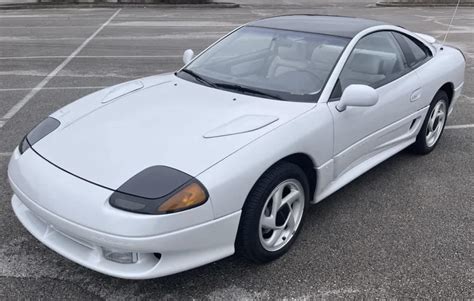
x: 331, y: 25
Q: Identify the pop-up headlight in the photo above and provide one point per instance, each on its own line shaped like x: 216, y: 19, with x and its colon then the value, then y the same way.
x: 39, y: 132
x: 159, y: 190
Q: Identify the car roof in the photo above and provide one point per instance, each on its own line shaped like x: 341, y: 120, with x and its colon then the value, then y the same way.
x: 341, y: 26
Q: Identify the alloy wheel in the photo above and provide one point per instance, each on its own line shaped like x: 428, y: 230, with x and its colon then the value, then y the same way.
x: 436, y: 123
x: 281, y: 215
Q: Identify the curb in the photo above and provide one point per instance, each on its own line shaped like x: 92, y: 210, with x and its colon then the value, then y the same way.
x: 115, y: 5
x: 420, y: 4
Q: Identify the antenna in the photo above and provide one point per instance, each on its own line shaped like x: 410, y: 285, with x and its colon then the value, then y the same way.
x: 451, y: 23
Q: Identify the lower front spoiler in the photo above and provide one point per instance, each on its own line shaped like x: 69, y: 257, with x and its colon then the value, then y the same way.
x: 180, y: 250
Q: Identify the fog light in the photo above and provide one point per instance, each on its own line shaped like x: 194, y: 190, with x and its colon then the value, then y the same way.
x: 120, y: 256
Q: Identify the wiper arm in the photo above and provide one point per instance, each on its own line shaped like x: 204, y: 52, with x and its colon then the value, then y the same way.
x: 234, y: 87
x: 246, y: 90
x: 199, y: 77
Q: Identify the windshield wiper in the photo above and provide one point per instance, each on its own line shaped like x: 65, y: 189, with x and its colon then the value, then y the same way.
x: 243, y: 89
x: 234, y: 87
x: 199, y: 77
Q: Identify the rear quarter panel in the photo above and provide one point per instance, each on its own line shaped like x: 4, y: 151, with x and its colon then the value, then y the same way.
x: 446, y: 66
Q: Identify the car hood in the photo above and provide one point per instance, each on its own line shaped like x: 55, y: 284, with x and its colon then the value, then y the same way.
x: 113, y: 134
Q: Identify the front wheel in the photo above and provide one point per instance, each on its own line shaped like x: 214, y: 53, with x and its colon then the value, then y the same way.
x: 273, y: 213
x: 433, y: 126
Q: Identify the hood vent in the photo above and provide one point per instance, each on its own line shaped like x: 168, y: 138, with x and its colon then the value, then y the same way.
x: 242, y: 124
x: 121, y: 90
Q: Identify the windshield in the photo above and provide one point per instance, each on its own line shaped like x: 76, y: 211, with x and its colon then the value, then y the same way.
x: 271, y: 63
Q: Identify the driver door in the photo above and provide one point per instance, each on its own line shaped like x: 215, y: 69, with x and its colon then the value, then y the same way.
x: 363, y: 132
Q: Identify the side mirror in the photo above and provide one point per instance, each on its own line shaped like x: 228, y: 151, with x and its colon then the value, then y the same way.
x: 188, y: 56
x: 357, y: 96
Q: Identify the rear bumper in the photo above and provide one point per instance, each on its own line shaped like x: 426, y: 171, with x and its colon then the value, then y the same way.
x: 180, y: 250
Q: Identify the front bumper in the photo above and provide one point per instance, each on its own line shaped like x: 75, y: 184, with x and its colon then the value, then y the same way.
x: 74, y: 218
x: 181, y: 250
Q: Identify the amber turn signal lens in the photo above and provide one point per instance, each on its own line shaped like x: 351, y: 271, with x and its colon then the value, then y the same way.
x: 190, y: 196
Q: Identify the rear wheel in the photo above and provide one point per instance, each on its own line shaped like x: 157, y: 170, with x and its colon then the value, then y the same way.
x: 273, y: 213
x: 433, y: 125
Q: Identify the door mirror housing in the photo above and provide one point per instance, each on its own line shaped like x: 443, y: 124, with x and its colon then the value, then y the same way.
x: 357, y: 96
x: 188, y: 56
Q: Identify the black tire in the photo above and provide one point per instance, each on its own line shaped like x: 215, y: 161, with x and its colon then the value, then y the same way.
x: 248, y: 242
x: 421, y: 146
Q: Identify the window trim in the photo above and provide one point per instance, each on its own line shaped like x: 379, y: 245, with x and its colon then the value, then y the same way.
x: 406, y: 70
x: 409, y: 53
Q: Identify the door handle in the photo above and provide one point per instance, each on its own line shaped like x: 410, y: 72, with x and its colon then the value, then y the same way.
x: 415, y: 95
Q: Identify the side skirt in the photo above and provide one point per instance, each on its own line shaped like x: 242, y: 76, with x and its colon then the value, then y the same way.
x: 360, y: 169
x: 379, y: 153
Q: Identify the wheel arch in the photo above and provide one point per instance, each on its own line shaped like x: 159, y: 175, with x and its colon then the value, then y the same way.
x: 449, y: 89
x: 306, y: 163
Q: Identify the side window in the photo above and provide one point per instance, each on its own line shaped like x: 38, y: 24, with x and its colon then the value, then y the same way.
x: 415, y: 52
x: 376, y: 60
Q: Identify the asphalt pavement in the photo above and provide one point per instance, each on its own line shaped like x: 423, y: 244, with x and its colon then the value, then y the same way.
x: 404, y: 229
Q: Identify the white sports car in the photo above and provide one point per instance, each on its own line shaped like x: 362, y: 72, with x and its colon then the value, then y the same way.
x: 169, y: 172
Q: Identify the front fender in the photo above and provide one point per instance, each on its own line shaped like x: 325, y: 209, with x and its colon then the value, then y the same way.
x: 230, y: 181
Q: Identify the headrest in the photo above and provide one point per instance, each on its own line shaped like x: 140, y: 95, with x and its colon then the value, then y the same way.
x: 326, y: 54
x: 366, y: 63
x: 295, y: 52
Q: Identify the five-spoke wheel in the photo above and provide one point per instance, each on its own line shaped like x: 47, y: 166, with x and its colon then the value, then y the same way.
x: 273, y: 213
x: 433, y: 125
x: 436, y: 123
x: 281, y: 215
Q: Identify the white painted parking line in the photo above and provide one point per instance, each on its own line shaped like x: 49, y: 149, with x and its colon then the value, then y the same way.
x: 53, y: 73
x: 48, y: 27
x: 189, y: 36
x: 5, y: 154
x: 467, y: 97
x: 175, y: 23
x: 459, y: 126
x: 89, y: 57
x: 44, y: 16
x: 54, y: 88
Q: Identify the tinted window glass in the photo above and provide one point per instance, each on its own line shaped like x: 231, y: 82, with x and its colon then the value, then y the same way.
x: 280, y: 64
x: 417, y: 52
x: 237, y: 46
x: 376, y: 60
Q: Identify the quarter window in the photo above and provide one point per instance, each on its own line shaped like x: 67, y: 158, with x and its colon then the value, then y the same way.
x: 415, y: 51
x: 377, y: 59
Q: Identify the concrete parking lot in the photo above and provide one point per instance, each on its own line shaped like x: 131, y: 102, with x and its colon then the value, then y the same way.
x: 404, y: 229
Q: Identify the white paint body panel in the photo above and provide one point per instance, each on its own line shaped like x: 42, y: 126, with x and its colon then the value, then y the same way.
x: 165, y: 123
x: 358, y: 124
